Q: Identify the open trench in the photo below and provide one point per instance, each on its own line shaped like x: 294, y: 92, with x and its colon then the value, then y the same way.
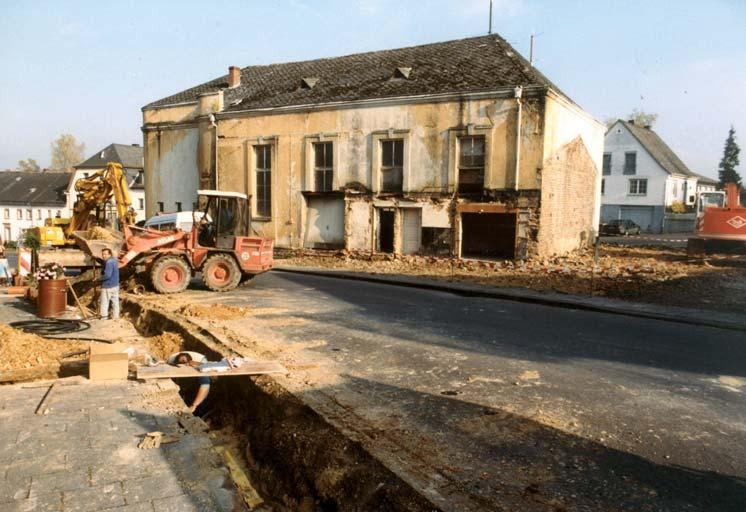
x: 295, y: 459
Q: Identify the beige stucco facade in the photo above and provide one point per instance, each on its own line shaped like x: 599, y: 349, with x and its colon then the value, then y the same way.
x: 554, y: 136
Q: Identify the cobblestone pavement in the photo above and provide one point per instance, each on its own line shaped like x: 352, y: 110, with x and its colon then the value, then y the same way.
x: 82, y: 456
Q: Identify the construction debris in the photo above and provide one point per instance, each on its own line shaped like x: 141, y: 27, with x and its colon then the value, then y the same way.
x: 20, y: 350
x: 214, y: 311
x: 150, y: 441
x: 99, y: 233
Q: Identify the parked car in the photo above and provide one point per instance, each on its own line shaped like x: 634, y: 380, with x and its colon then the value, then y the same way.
x: 620, y: 227
x: 171, y: 221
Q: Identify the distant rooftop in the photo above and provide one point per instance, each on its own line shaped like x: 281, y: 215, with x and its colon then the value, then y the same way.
x: 659, y: 150
x: 130, y: 156
x: 33, y: 188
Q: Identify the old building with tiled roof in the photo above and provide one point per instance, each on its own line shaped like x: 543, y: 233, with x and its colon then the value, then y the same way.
x: 454, y: 148
x: 27, y: 199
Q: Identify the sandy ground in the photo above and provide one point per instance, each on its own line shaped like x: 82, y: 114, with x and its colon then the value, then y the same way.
x: 20, y: 350
x: 661, y: 276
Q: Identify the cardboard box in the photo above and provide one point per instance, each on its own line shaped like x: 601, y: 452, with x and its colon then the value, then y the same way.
x: 108, y: 361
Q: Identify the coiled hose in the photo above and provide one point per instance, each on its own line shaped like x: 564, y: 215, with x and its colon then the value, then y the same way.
x: 52, y: 328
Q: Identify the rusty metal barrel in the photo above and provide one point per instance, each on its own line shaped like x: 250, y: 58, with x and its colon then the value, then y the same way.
x: 52, y: 298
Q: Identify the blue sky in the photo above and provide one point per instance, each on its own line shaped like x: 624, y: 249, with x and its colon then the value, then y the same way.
x: 86, y: 67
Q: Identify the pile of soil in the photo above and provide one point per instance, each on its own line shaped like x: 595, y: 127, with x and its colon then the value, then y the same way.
x: 99, y: 233
x: 665, y: 276
x: 214, y: 311
x: 163, y: 345
x: 20, y: 350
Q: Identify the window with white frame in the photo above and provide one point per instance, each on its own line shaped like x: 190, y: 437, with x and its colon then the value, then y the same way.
x: 6, y: 213
x: 38, y: 214
x: 638, y: 187
x: 607, y: 164
x: 49, y: 214
x: 141, y: 203
x: 630, y: 162
x: 392, y: 165
x: 263, y: 170
x: 19, y: 214
x: 323, y: 167
x: 471, y: 164
x: 29, y: 214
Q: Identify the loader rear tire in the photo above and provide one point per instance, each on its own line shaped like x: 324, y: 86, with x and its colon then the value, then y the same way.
x: 170, y: 274
x: 221, y: 273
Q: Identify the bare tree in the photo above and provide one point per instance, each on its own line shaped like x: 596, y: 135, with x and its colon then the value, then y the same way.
x: 642, y: 118
x: 28, y: 165
x: 66, y: 152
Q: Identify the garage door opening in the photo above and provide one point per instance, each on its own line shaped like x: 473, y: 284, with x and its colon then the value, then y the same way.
x: 488, y: 235
x: 386, y: 230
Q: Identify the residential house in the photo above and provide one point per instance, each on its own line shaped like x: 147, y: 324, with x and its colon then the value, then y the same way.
x: 27, y: 199
x: 131, y: 159
x: 457, y: 148
x: 643, y: 177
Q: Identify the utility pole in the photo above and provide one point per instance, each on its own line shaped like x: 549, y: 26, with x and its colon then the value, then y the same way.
x: 490, y: 30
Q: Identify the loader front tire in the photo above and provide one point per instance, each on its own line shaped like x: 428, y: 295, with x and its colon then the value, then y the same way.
x: 221, y: 273
x: 170, y: 274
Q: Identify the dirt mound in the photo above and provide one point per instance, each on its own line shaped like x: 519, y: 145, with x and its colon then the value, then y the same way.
x: 20, y: 350
x: 214, y: 312
x: 99, y: 233
x: 165, y: 344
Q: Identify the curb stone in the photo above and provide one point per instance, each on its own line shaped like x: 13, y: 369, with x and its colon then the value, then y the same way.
x: 689, y: 316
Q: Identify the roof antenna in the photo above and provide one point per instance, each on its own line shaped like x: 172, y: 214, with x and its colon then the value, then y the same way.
x: 531, y: 48
x: 490, y: 30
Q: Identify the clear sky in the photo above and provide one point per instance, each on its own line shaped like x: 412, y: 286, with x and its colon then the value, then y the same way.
x: 87, y: 67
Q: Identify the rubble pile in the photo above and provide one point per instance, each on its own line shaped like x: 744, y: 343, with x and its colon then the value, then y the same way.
x: 623, y: 272
x: 163, y: 345
x: 20, y: 350
x: 99, y: 233
x: 213, y: 311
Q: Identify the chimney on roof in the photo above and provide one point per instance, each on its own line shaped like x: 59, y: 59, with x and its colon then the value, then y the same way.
x: 631, y: 121
x: 648, y: 126
x: 234, y: 76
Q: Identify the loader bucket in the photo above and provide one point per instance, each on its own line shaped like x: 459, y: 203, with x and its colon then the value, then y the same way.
x: 93, y: 245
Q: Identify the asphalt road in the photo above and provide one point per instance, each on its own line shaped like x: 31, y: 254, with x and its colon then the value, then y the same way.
x: 661, y: 406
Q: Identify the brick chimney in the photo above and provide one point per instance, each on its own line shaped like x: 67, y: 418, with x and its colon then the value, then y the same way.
x: 234, y: 76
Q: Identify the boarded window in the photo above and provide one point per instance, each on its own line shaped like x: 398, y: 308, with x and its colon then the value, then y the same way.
x: 638, y: 187
x: 607, y: 163
x: 263, y: 180
x: 323, y: 166
x: 471, y: 164
x: 630, y: 163
x: 392, y: 165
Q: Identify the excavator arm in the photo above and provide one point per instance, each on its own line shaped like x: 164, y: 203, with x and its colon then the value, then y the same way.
x: 95, y: 191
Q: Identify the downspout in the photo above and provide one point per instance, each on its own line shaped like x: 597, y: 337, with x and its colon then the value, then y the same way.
x: 215, y: 148
x: 518, y: 95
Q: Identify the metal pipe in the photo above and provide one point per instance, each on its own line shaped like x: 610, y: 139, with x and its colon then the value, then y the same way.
x: 215, y: 148
x: 518, y: 95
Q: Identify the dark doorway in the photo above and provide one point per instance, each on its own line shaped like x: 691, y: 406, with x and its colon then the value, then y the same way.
x: 488, y: 235
x: 386, y: 230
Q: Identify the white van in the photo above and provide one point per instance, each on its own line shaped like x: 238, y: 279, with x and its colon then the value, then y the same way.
x: 173, y: 221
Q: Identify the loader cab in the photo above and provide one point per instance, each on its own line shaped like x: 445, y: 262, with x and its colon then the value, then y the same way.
x: 223, y: 217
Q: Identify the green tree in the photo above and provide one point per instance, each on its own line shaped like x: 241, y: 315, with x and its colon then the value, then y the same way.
x: 66, y: 152
x: 28, y: 165
x: 642, y: 118
x: 727, y: 170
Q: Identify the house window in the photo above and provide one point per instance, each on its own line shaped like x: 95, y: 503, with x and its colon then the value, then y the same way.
x: 630, y: 163
x: 160, y: 206
x: 392, y: 165
x: 49, y: 214
x: 638, y: 187
x: 58, y: 214
x: 29, y: 214
x: 323, y: 166
x: 263, y: 180
x: 675, y: 189
x: 6, y: 213
x: 603, y: 187
x: 471, y: 164
x: 607, y: 164
x: 6, y: 232
x: 178, y: 206
x: 38, y: 214
x: 19, y: 214
x: 141, y: 203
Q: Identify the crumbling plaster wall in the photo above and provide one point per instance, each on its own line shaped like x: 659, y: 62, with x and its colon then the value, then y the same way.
x: 428, y: 133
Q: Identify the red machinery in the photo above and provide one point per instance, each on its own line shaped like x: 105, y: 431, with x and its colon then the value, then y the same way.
x: 217, y: 246
x: 720, y: 228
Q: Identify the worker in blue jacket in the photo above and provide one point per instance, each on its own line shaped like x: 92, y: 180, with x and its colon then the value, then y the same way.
x: 109, y: 286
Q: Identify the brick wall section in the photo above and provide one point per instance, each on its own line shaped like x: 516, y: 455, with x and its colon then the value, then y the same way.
x: 568, y: 195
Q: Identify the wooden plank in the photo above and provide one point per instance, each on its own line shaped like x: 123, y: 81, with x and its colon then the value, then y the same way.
x: 166, y: 371
x: 239, y: 477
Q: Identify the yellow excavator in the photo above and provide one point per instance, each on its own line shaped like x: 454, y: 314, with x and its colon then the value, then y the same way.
x: 93, y: 194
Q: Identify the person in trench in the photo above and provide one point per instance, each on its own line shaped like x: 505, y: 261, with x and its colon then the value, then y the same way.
x: 194, y: 359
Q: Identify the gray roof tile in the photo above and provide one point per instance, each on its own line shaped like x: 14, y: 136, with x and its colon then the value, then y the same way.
x: 33, y: 188
x: 658, y: 149
x: 467, y: 65
x: 127, y: 155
